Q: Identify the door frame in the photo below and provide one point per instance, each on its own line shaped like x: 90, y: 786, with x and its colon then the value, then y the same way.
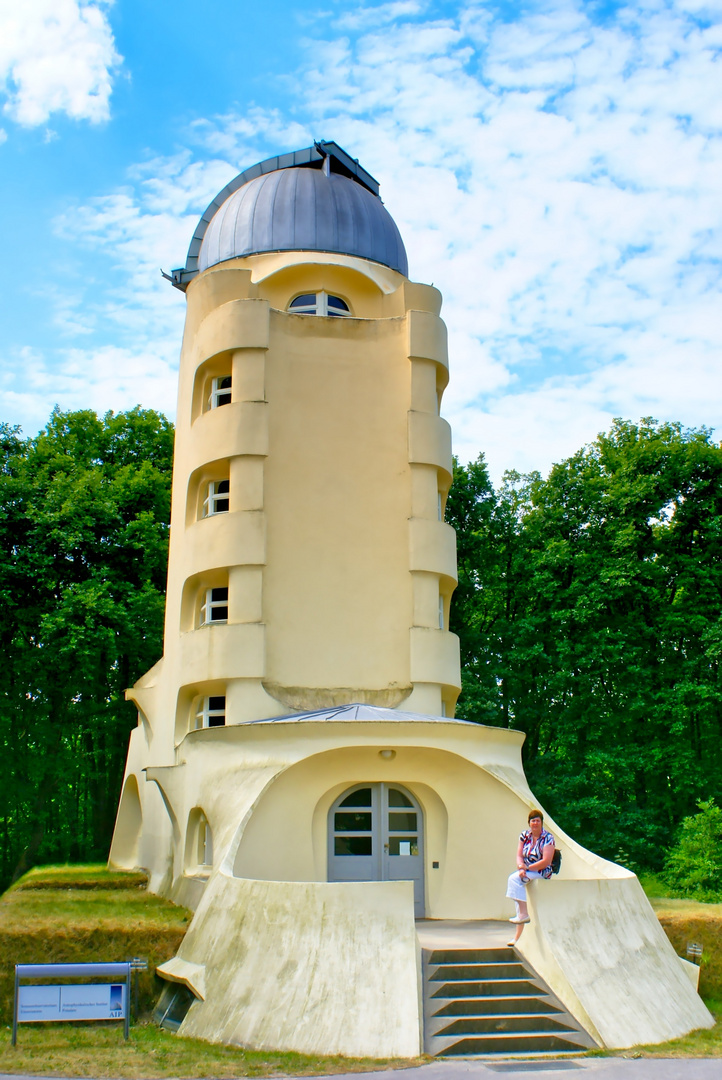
x: 382, y: 860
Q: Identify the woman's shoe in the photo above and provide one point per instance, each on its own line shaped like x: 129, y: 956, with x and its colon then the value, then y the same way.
x: 511, y: 944
x: 519, y: 919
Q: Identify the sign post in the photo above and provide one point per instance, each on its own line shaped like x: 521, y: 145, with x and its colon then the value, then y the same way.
x: 73, y: 999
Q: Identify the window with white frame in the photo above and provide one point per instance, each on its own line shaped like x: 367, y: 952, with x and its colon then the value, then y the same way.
x: 210, y: 712
x: 217, y: 498
x: 214, y: 608
x: 441, y: 612
x: 220, y: 392
x: 320, y: 303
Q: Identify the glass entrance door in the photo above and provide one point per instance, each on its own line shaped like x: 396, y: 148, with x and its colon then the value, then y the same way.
x: 375, y: 833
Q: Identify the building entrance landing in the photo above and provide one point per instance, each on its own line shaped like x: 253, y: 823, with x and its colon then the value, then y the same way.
x: 463, y: 933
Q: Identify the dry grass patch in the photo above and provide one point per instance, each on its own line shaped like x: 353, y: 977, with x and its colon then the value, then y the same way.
x: 687, y: 921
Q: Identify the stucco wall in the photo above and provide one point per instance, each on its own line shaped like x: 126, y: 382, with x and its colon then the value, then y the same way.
x: 329, y: 567
x: 320, y: 969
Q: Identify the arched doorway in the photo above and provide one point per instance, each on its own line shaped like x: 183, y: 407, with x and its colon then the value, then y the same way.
x: 376, y: 833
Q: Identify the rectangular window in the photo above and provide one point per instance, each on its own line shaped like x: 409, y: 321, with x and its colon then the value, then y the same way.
x: 211, y: 712
x: 217, y: 500
x: 352, y: 845
x: 440, y: 508
x: 215, y: 607
x: 441, y: 613
x: 220, y: 392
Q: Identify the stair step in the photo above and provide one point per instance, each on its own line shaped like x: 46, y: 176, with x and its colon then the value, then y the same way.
x: 521, y: 1004
x: 518, y: 1043
x: 488, y: 1003
x: 496, y: 987
x: 489, y: 1025
x: 456, y: 972
x: 472, y: 956
x: 483, y: 1023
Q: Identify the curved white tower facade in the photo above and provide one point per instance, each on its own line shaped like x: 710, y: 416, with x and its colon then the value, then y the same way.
x: 296, y: 775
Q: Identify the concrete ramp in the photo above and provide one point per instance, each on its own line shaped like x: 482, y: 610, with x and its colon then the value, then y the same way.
x: 598, y: 945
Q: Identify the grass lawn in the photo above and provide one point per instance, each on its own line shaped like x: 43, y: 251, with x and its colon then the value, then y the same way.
x: 94, y: 1050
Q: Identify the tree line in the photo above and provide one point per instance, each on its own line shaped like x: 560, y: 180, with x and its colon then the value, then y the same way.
x: 588, y: 607
x: 84, y: 518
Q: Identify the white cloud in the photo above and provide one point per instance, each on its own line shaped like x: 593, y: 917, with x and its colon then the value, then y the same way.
x: 557, y: 178
x: 105, y: 378
x: 379, y: 14
x: 56, y: 56
x: 246, y: 139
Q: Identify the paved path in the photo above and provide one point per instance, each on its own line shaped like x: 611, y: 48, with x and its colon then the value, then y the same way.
x: 567, y: 1069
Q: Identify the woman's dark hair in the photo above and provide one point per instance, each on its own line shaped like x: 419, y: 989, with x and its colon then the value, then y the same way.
x: 533, y: 814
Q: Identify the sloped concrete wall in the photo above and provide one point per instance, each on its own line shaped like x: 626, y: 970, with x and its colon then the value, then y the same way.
x: 313, y: 967
x: 601, y: 949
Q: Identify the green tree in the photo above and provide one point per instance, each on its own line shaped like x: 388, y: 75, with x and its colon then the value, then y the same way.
x: 598, y: 603
x: 694, y: 865
x: 84, y: 513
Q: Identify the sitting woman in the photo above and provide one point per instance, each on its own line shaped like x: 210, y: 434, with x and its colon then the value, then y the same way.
x: 534, y: 860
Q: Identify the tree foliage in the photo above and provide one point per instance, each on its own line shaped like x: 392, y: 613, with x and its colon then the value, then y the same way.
x: 589, y: 614
x: 694, y: 864
x: 84, y: 513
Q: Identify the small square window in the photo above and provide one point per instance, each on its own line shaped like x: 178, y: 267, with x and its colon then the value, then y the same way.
x: 217, y: 498
x: 210, y: 712
x: 220, y: 392
x: 215, y: 607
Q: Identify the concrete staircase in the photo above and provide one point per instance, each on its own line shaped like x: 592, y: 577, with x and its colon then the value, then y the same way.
x: 482, y: 1002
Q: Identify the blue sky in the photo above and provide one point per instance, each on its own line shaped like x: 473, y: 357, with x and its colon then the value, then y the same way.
x: 555, y: 169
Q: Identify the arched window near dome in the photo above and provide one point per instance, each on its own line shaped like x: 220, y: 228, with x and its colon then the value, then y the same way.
x: 320, y: 303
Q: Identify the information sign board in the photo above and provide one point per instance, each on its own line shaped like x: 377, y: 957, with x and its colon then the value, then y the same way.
x: 104, y: 1001
x: 37, y: 1000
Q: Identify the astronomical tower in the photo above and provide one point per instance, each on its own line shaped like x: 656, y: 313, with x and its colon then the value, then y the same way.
x: 297, y: 777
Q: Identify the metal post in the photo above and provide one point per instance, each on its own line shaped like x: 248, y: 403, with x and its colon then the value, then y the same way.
x: 127, y: 1001
x: 15, y: 1008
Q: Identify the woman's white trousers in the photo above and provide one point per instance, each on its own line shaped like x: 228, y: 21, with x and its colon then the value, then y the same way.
x: 516, y: 889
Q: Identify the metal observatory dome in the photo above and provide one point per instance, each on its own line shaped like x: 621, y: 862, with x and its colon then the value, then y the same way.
x: 317, y: 199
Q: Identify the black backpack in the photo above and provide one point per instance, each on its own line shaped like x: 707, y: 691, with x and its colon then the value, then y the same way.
x: 556, y: 863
